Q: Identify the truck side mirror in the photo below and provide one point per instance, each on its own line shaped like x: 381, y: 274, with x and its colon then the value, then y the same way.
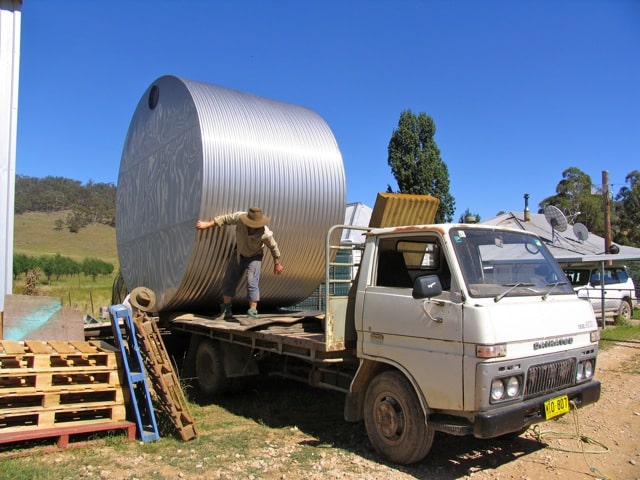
x: 427, y: 286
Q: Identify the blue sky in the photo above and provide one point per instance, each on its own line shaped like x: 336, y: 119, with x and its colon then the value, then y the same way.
x: 519, y: 90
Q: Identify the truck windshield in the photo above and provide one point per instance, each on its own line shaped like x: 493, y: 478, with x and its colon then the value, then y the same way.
x: 497, y: 264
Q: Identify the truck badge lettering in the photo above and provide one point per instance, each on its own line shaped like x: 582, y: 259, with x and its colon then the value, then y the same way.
x: 556, y: 342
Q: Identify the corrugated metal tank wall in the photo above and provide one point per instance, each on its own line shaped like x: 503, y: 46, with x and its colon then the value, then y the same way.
x: 195, y: 150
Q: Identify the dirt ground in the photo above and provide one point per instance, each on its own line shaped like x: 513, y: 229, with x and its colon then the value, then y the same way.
x: 601, y: 441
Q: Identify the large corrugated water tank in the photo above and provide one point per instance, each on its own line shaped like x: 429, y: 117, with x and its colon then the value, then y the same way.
x: 194, y: 151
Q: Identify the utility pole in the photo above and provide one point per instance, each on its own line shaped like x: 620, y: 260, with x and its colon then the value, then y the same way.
x: 607, y: 210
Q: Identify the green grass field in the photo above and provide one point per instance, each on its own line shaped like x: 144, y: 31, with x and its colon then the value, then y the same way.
x: 35, y: 235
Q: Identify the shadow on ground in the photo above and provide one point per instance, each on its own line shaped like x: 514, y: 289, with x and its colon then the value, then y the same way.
x: 279, y: 404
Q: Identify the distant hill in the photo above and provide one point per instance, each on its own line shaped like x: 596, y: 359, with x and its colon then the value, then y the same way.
x: 35, y: 234
x: 84, y: 205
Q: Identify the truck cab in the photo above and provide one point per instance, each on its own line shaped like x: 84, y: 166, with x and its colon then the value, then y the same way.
x: 468, y: 330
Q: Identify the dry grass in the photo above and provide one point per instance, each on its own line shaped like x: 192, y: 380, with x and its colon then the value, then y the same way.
x: 35, y: 235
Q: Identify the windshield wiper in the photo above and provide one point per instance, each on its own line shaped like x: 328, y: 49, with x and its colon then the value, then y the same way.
x: 553, y: 287
x: 512, y: 286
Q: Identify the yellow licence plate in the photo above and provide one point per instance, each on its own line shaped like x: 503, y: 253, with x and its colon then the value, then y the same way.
x: 556, y: 406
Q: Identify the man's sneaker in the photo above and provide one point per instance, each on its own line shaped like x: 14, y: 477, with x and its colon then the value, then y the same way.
x: 252, y: 313
x: 226, y: 312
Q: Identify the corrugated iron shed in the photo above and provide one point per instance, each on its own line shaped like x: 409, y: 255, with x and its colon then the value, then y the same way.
x: 565, y: 246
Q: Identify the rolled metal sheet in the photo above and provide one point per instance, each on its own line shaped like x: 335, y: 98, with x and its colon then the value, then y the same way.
x: 194, y: 151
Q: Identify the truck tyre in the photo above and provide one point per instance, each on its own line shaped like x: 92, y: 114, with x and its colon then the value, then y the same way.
x: 624, y: 312
x: 394, y: 419
x: 210, y: 369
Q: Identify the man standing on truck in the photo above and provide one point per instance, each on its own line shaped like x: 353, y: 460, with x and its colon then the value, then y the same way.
x: 252, y: 234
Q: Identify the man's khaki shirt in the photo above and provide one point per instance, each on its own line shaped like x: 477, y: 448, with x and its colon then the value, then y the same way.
x: 249, y: 245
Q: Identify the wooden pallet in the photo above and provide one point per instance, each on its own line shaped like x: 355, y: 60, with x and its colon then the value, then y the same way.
x: 64, y: 397
x: 17, y: 380
x: 63, y: 434
x: 169, y: 397
x: 33, y: 354
x: 26, y: 419
x: 48, y: 384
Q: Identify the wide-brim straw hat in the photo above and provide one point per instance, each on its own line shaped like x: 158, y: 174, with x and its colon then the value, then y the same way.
x: 143, y: 299
x: 254, y: 218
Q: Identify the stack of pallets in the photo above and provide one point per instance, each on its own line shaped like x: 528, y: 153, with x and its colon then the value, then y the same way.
x: 58, y: 389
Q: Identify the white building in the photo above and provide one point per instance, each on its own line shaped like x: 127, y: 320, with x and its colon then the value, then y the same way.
x: 10, y: 17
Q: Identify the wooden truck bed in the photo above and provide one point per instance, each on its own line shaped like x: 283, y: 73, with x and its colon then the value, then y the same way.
x: 297, y: 334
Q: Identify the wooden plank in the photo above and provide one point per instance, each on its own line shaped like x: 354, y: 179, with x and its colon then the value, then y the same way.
x: 103, y: 346
x: 85, y: 347
x: 63, y: 347
x: 12, y: 347
x: 36, y: 346
x: 63, y: 434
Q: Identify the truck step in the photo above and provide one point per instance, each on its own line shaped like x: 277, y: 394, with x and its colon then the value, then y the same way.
x: 450, y: 425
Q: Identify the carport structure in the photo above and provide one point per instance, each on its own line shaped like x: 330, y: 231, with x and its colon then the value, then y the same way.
x: 570, y: 247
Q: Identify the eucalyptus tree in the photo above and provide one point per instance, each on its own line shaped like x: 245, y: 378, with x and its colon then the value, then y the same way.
x: 627, y: 209
x: 578, y: 200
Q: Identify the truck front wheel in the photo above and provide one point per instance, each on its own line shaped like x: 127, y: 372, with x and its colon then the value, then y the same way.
x: 210, y: 368
x: 394, y: 419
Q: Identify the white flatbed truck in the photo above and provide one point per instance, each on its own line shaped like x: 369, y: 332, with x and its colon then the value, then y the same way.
x: 463, y: 329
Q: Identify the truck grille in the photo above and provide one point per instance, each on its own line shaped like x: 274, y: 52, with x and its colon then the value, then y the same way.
x: 548, y: 377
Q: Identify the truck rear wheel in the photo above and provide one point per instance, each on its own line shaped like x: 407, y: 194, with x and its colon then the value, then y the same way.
x: 394, y: 419
x: 210, y: 368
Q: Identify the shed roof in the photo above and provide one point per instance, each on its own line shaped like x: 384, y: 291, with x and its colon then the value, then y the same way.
x: 565, y: 246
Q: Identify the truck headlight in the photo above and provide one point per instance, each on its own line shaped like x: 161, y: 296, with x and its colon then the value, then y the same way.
x: 513, y: 387
x: 584, y: 371
x: 506, y: 388
x: 588, y: 369
x: 497, y: 389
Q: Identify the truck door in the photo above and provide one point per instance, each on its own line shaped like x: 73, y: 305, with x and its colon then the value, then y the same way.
x: 424, y: 336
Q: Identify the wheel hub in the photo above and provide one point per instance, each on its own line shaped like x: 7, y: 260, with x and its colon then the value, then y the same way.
x: 389, y: 418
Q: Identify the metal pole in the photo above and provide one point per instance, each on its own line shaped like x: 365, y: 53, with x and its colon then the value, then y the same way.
x: 604, y: 322
x: 606, y: 205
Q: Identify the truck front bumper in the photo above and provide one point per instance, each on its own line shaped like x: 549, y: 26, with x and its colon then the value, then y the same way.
x: 513, y: 418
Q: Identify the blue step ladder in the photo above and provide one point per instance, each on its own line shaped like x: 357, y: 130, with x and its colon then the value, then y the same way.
x: 134, y: 370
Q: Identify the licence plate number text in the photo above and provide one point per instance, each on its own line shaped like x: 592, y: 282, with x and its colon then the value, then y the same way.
x: 556, y: 406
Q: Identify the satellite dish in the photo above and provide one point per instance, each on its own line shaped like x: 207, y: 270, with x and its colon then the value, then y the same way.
x: 556, y: 218
x: 581, y: 232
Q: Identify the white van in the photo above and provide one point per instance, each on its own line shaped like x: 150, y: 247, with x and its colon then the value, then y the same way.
x: 619, y: 290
